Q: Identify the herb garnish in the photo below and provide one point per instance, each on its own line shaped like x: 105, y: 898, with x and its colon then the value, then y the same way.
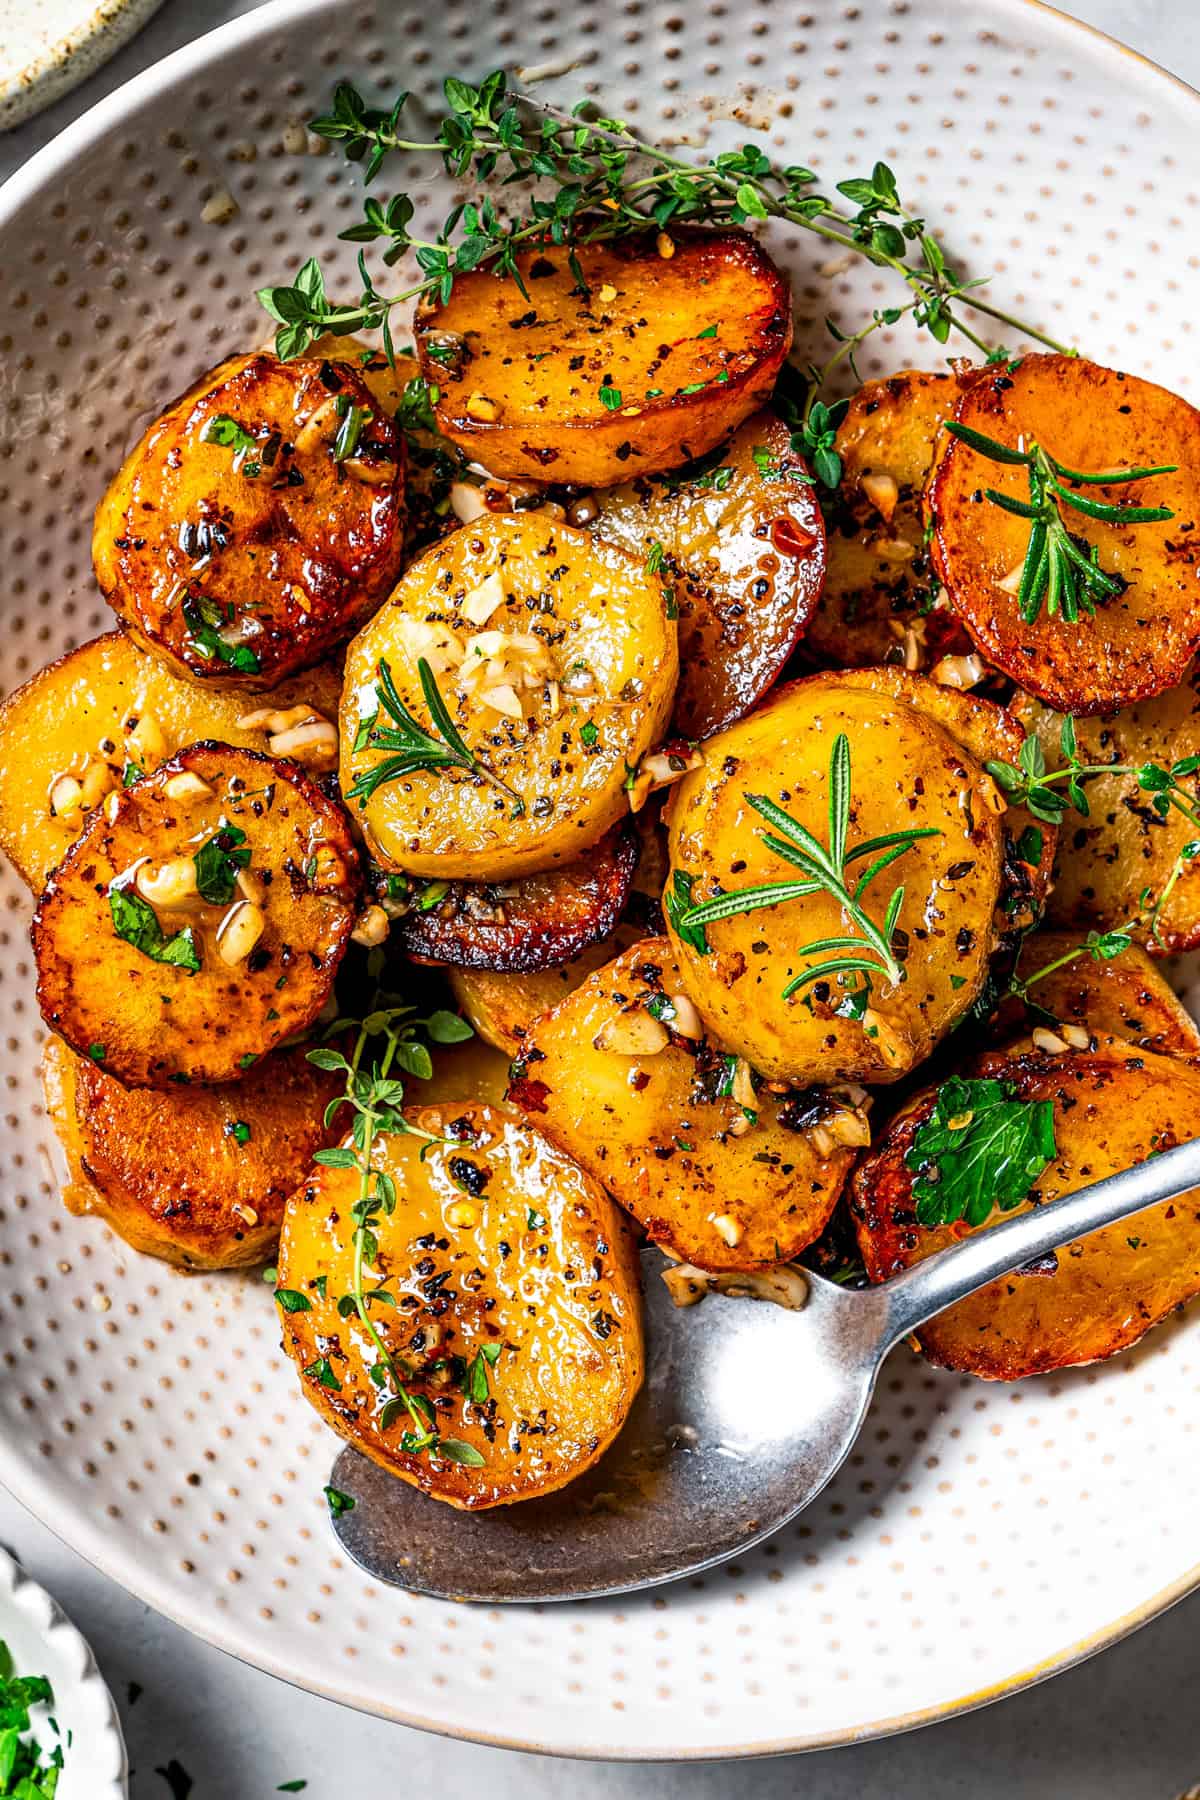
x: 869, y: 950
x: 218, y: 862
x: 1058, y: 569
x: 981, y: 1148
x: 204, y: 618
x: 136, y: 921
x: 415, y: 748
x: 233, y: 436
x: 27, y: 1772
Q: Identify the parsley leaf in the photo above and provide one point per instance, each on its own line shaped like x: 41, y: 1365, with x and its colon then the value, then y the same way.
x: 676, y: 902
x: 202, y: 618
x: 217, y: 863
x: 136, y: 921
x: 981, y: 1148
x: 226, y: 431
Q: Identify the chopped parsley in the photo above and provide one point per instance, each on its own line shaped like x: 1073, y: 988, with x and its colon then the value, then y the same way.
x: 982, y: 1147
x: 203, y: 618
x: 26, y: 1770
x: 136, y: 921
x: 239, y: 1131
x: 610, y: 397
x: 589, y: 733
x: 230, y: 434
x: 338, y: 1504
x: 218, y: 861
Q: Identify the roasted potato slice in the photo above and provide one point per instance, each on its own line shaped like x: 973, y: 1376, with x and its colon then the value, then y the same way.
x: 513, y: 1278
x: 556, y: 661
x: 107, y: 713
x: 670, y: 347
x: 1112, y: 1109
x: 1123, y: 846
x: 198, y: 920
x: 720, y: 1169
x: 196, y: 1176
x: 466, y: 1072
x: 1123, y: 996
x: 503, y: 1007
x: 527, y: 925
x: 257, y: 522
x: 740, y: 542
x: 907, y: 773
x: 1091, y: 419
x: 881, y: 601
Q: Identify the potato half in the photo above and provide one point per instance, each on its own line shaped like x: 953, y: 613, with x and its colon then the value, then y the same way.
x: 881, y: 601
x: 1123, y: 996
x: 1091, y: 419
x: 1112, y: 1109
x: 516, y: 1309
x: 503, y: 1006
x: 199, y: 919
x: 257, y: 522
x: 674, y: 342
x: 527, y: 925
x: 196, y: 1176
x: 740, y: 542
x: 907, y: 773
x: 1108, y: 859
x: 718, y: 1168
x: 556, y: 660
x: 107, y: 712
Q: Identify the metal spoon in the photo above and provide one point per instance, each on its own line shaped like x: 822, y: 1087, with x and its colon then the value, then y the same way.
x: 747, y: 1413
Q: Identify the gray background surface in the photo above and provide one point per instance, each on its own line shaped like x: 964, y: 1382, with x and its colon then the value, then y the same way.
x: 1125, y: 1726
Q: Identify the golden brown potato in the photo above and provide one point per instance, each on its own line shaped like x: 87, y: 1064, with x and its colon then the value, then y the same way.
x: 881, y: 601
x: 556, y: 660
x: 196, y: 1176
x: 741, y: 544
x: 522, y: 926
x: 503, y: 1007
x: 514, y: 1281
x: 1123, y: 996
x: 257, y: 522
x: 472, y: 1071
x: 1108, y: 859
x: 1112, y: 1109
x: 1090, y: 419
x: 715, y: 1166
x: 654, y: 366
x: 907, y: 773
x: 198, y: 920
x: 107, y: 712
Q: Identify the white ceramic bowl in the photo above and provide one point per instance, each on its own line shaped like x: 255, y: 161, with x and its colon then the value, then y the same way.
x: 43, y: 1641
x: 980, y: 1536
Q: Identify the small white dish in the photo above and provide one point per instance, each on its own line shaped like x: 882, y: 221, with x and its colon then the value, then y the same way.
x: 47, y: 47
x: 43, y: 1641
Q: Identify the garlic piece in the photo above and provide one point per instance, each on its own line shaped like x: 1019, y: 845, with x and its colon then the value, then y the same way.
x: 661, y: 769
x: 781, y: 1286
x: 727, y: 1229
x: 482, y: 601
x: 66, y: 797
x: 187, y: 786
x: 634, y: 1033
x: 481, y: 408
x: 462, y: 1215
x: 467, y: 502
x: 172, y: 884
x: 503, y: 699
x: 1011, y: 583
x: 239, y: 932
x: 959, y: 671
x: 1076, y: 1036
x: 687, y: 1021
x: 315, y: 743
x: 1049, y: 1041
x: 741, y: 1088
x: 883, y: 492
x: 372, y: 928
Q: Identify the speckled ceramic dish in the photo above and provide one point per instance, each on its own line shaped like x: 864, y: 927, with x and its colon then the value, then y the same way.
x: 980, y: 1536
x: 47, y: 47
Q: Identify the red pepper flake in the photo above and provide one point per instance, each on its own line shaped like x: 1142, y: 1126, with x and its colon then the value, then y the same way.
x: 790, y: 539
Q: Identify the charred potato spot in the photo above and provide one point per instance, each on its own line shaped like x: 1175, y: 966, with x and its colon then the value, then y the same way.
x: 1086, y: 1000
x: 523, y: 926
x: 740, y: 543
x: 196, y: 1176
x: 557, y: 662
x: 881, y: 601
x: 1108, y: 859
x: 202, y: 923
x: 1112, y: 1109
x: 105, y: 714
x: 727, y: 1172
x: 630, y: 377
x: 1091, y: 419
x: 503, y: 1007
x: 257, y: 523
x: 908, y: 773
x: 532, y: 1266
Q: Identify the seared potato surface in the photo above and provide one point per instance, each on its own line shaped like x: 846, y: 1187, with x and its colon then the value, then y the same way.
x: 1123, y: 996
x: 199, y: 919
x: 557, y: 663
x: 741, y: 545
x: 503, y: 1006
x: 501, y: 1256
x: 257, y: 523
x: 715, y: 1166
x: 653, y: 366
x: 196, y: 1176
x: 107, y: 712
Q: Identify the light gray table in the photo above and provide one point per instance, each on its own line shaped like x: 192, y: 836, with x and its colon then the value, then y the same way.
x: 1124, y: 1727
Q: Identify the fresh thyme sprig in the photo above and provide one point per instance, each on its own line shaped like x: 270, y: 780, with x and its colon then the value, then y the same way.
x: 869, y: 950
x: 606, y: 182
x: 414, y: 747
x: 1029, y: 783
x: 1058, y: 570
x: 374, y: 1092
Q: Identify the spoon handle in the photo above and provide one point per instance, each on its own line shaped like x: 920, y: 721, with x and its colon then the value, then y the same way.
x: 930, y: 1286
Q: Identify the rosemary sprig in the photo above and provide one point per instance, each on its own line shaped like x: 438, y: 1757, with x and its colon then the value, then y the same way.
x: 606, y: 182
x: 415, y: 748
x: 1059, y: 569
x: 869, y: 950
